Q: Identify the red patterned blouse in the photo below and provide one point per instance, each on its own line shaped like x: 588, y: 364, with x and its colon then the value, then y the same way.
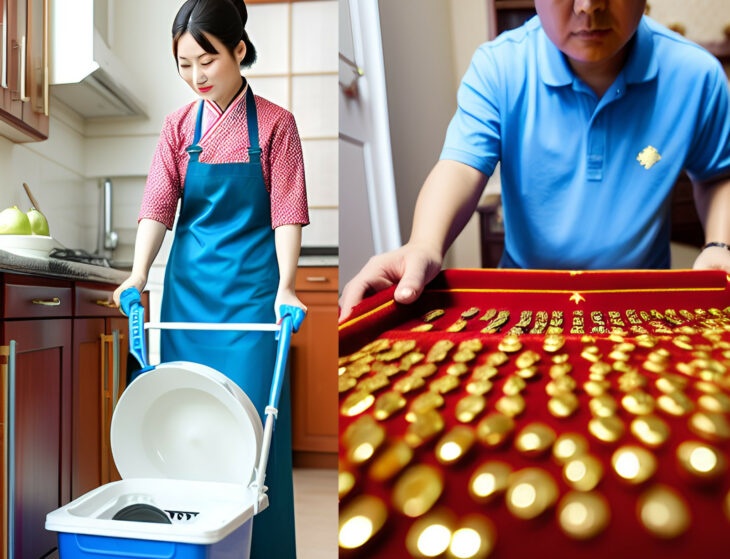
x: 224, y: 139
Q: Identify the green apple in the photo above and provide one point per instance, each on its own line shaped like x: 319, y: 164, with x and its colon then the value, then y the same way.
x: 14, y: 222
x: 38, y: 222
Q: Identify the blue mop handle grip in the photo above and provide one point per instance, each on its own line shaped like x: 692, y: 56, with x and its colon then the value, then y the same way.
x: 131, y: 304
x: 291, y: 320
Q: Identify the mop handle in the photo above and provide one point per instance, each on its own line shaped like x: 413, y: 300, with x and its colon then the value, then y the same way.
x: 131, y: 304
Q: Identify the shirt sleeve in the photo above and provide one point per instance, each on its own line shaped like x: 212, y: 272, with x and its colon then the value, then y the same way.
x: 162, y: 190
x: 709, y: 153
x: 474, y: 133
x: 288, y: 187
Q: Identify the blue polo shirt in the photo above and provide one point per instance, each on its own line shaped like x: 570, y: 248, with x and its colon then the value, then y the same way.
x: 586, y: 182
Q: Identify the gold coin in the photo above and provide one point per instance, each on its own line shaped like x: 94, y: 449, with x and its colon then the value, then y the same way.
x: 417, y: 489
x: 444, y: 384
x: 563, y: 404
x: 408, y: 384
x: 510, y: 344
x: 527, y: 359
x: 530, y: 492
x: 600, y: 368
x: 683, y: 342
x: 669, y: 383
x: 471, y: 312
x: 510, y: 405
x: 454, y: 444
x: 638, y: 402
x: 496, y: 359
x: 463, y: 356
x: 397, y: 350
x: 388, y: 369
x: 410, y: 359
x: 387, y: 404
x: 633, y: 464
x: 457, y: 369
x: 475, y: 345
x: 534, y: 439
x: 433, y: 315
x: 478, y: 387
x: 489, y: 480
x: 439, y: 351
x: 606, y: 429
x: 424, y: 402
x: 582, y: 516
x: 631, y: 381
x: 391, y: 461
x: 373, y: 383
x: 596, y: 387
x: 646, y: 340
x: 617, y: 355
x: 362, y: 438
x: 489, y: 315
x: 560, y: 358
x: 591, y: 353
x: 602, y: 405
x: 360, y: 521
x: 710, y: 426
x: 655, y: 367
x: 568, y: 446
x: 423, y: 371
x: 424, y: 427
x: 715, y: 403
x: 513, y: 385
x: 457, y: 326
x: 707, y: 387
x: 473, y: 539
x: 675, y: 403
x: 356, y: 370
x: 469, y: 407
x: 559, y: 385
x: 495, y: 429
x: 422, y: 328
x: 376, y: 346
x: 345, y: 483
x: 484, y: 372
x: 553, y: 343
x: 701, y: 460
x: 345, y: 382
x: 663, y: 512
x: 356, y: 403
x: 583, y: 472
x: 527, y: 372
x: 431, y: 535
x: 560, y: 369
x: 650, y: 430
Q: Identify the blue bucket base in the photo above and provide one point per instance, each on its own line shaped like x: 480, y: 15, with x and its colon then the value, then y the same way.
x: 236, y: 545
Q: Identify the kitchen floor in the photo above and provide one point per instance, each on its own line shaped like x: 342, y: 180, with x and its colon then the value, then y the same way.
x: 315, y: 509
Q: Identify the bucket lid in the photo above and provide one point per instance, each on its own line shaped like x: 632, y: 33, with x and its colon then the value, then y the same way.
x: 186, y: 421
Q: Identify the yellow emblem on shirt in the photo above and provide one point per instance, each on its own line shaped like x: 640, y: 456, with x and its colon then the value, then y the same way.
x: 648, y: 156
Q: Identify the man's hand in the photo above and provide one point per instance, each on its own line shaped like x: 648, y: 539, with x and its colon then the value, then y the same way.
x: 713, y: 258
x: 412, y: 266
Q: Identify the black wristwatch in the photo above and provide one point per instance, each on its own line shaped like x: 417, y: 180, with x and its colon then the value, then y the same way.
x: 721, y: 245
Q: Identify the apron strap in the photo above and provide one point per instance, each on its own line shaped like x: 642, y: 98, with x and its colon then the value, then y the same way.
x: 194, y: 149
x: 254, y: 151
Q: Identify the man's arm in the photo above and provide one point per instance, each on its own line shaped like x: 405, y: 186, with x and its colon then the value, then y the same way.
x: 712, y: 200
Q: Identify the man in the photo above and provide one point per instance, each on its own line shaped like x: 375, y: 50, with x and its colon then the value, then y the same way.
x: 593, y: 111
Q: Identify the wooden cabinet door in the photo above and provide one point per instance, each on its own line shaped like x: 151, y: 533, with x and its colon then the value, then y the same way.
x: 116, y: 383
x: 42, y: 429
x: 314, y: 369
x: 86, y: 402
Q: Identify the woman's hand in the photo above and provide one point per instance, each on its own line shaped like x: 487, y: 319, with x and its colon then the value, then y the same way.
x: 287, y: 297
x: 713, y: 258
x: 412, y: 266
x: 134, y: 280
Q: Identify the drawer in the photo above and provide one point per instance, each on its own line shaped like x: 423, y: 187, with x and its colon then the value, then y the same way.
x: 25, y: 300
x: 94, y: 300
x: 316, y: 279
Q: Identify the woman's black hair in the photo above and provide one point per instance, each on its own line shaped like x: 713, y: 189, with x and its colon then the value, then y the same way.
x: 224, y: 19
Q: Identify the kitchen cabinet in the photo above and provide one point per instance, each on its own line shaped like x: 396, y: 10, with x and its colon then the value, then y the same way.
x: 313, y: 366
x: 68, y: 378
x: 24, y: 69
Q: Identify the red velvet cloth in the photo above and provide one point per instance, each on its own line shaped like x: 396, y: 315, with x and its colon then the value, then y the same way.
x: 457, y: 290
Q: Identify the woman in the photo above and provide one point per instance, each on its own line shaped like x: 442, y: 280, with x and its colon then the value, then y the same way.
x: 235, y: 160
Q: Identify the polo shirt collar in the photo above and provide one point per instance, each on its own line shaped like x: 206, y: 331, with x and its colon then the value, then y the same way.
x: 641, y: 64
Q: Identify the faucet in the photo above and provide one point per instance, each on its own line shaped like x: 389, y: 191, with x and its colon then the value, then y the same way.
x: 108, y: 239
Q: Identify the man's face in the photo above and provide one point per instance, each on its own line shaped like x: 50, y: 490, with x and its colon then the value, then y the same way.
x: 590, y: 30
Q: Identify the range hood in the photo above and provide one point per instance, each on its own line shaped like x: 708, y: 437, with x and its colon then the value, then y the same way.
x: 85, y: 74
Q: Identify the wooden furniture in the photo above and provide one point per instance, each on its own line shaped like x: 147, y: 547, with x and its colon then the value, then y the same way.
x: 67, y: 378
x: 313, y: 364
x: 24, y: 69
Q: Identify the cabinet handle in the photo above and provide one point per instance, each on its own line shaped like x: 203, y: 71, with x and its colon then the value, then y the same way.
x: 317, y: 279
x: 108, y: 304
x: 55, y: 302
x: 23, y: 52
x: 9, y: 479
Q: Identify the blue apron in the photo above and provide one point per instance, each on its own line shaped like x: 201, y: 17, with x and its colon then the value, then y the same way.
x: 223, y: 268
